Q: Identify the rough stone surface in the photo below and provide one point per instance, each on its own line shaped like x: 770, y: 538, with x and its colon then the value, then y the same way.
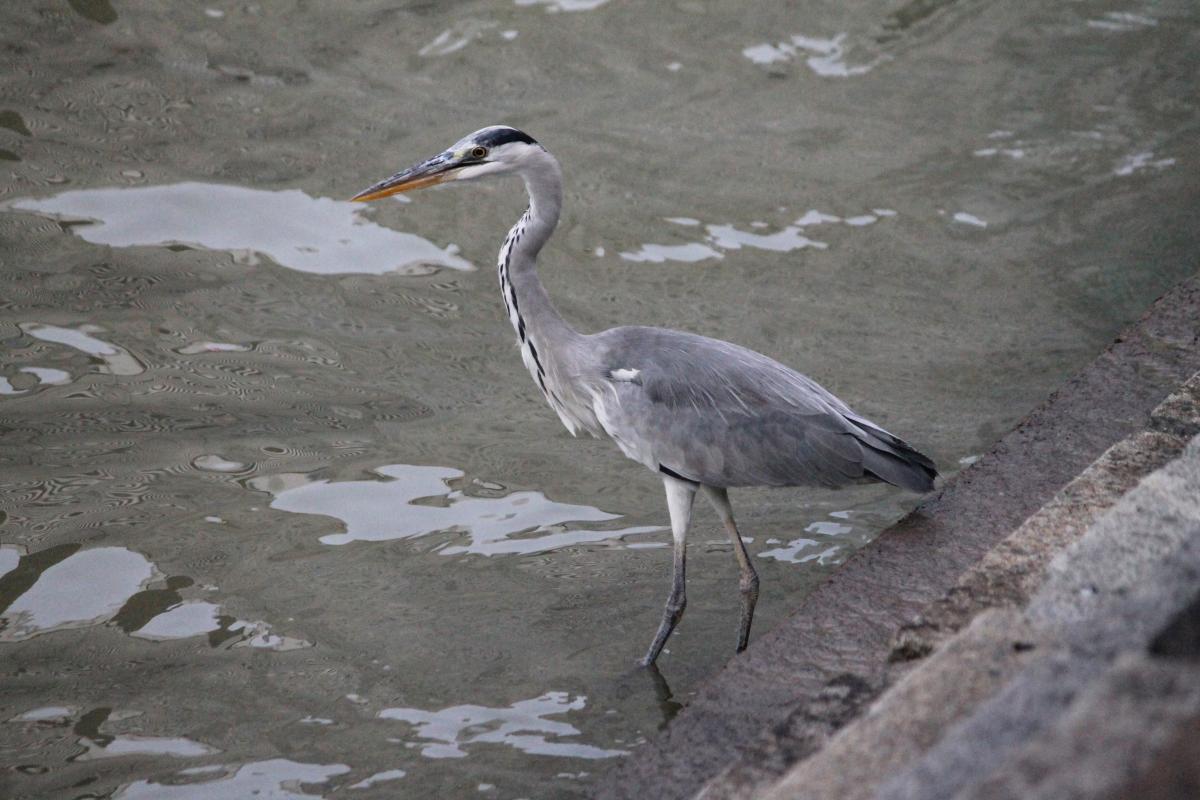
x: 844, y: 630
x: 1173, y: 773
x: 1010, y: 572
x: 1119, y: 727
x: 1179, y: 414
x: 912, y: 715
x: 1108, y: 595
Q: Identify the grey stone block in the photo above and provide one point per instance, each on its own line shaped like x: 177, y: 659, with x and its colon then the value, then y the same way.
x: 1109, y: 594
x: 1015, y: 567
x: 912, y: 715
x: 1179, y: 414
x: 1110, y: 740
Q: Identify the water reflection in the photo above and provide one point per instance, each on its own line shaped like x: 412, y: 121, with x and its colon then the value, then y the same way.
x: 48, y: 376
x: 1138, y: 162
x: 969, y: 219
x: 47, y: 714
x: 658, y: 253
x: 115, y: 360
x: 257, y: 634
x: 564, y: 5
x: 386, y: 508
x: 200, y: 618
x: 456, y: 38
x: 64, y: 587
x: 309, y: 234
x: 815, y: 217
x: 1010, y: 152
x: 1101, y: 149
x: 668, y: 706
x: 212, y: 462
x: 211, y: 347
x: 825, y: 57
x: 522, y: 725
x: 116, y: 746
x: 100, y: 745
x: 783, y: 241
x: 822, y: 551
x: 182, y: 621
x: 802, y: 551
x: 1015, y: 152
x: 277, y: 778
x: 728, y: 236
x: 1122, y: 21
x: 378, y: 777
x: 84, y: 589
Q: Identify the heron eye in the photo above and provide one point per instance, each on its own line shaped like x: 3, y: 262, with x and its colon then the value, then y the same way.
x: 478, y: 152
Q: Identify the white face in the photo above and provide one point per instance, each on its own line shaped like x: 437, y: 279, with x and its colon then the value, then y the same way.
x: 500, y: 160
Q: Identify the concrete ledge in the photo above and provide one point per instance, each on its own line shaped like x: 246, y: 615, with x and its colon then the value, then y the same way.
x: 1177, y: 414
x: 783, y: 698
x: 1083, y: 719
x: 1013, y: 569
x: 1129, y: 732
x: 912, y: 716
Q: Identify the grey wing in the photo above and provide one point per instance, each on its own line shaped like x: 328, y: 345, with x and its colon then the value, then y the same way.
x: 722, y: 415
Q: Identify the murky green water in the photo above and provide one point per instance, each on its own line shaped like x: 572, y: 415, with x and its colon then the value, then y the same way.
x: 282, y: 511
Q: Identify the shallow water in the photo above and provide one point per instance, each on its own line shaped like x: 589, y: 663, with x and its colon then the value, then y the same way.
x: 281, y: 510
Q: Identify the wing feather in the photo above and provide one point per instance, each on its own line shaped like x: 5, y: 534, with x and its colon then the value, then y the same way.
x: 726, y: 416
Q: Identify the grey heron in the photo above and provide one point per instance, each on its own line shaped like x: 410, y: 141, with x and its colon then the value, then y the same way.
x: 703, y: 414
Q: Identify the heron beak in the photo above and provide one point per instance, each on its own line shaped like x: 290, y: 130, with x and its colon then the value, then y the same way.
x: 427, y: 173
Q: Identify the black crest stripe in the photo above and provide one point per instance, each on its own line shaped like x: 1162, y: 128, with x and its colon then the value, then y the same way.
x: 499, y: 136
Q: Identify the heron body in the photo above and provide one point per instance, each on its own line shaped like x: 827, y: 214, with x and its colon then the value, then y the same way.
x: 704, y: 414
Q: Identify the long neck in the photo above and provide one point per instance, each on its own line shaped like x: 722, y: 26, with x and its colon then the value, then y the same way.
x: 553, y: 351
x: 541, y: 329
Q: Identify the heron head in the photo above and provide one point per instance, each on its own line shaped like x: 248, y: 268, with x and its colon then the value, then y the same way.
x: 496, y: 150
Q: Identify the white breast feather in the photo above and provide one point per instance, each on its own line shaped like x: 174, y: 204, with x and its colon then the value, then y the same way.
x: 606, y: 406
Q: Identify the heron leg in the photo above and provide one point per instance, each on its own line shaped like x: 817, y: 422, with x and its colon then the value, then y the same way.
x: 680, y: 495
x: 748, y: 583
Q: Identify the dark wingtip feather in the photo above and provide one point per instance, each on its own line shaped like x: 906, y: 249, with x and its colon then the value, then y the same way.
x: 898, y: 471
x: 893, y: 460
x: 889, y: 469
